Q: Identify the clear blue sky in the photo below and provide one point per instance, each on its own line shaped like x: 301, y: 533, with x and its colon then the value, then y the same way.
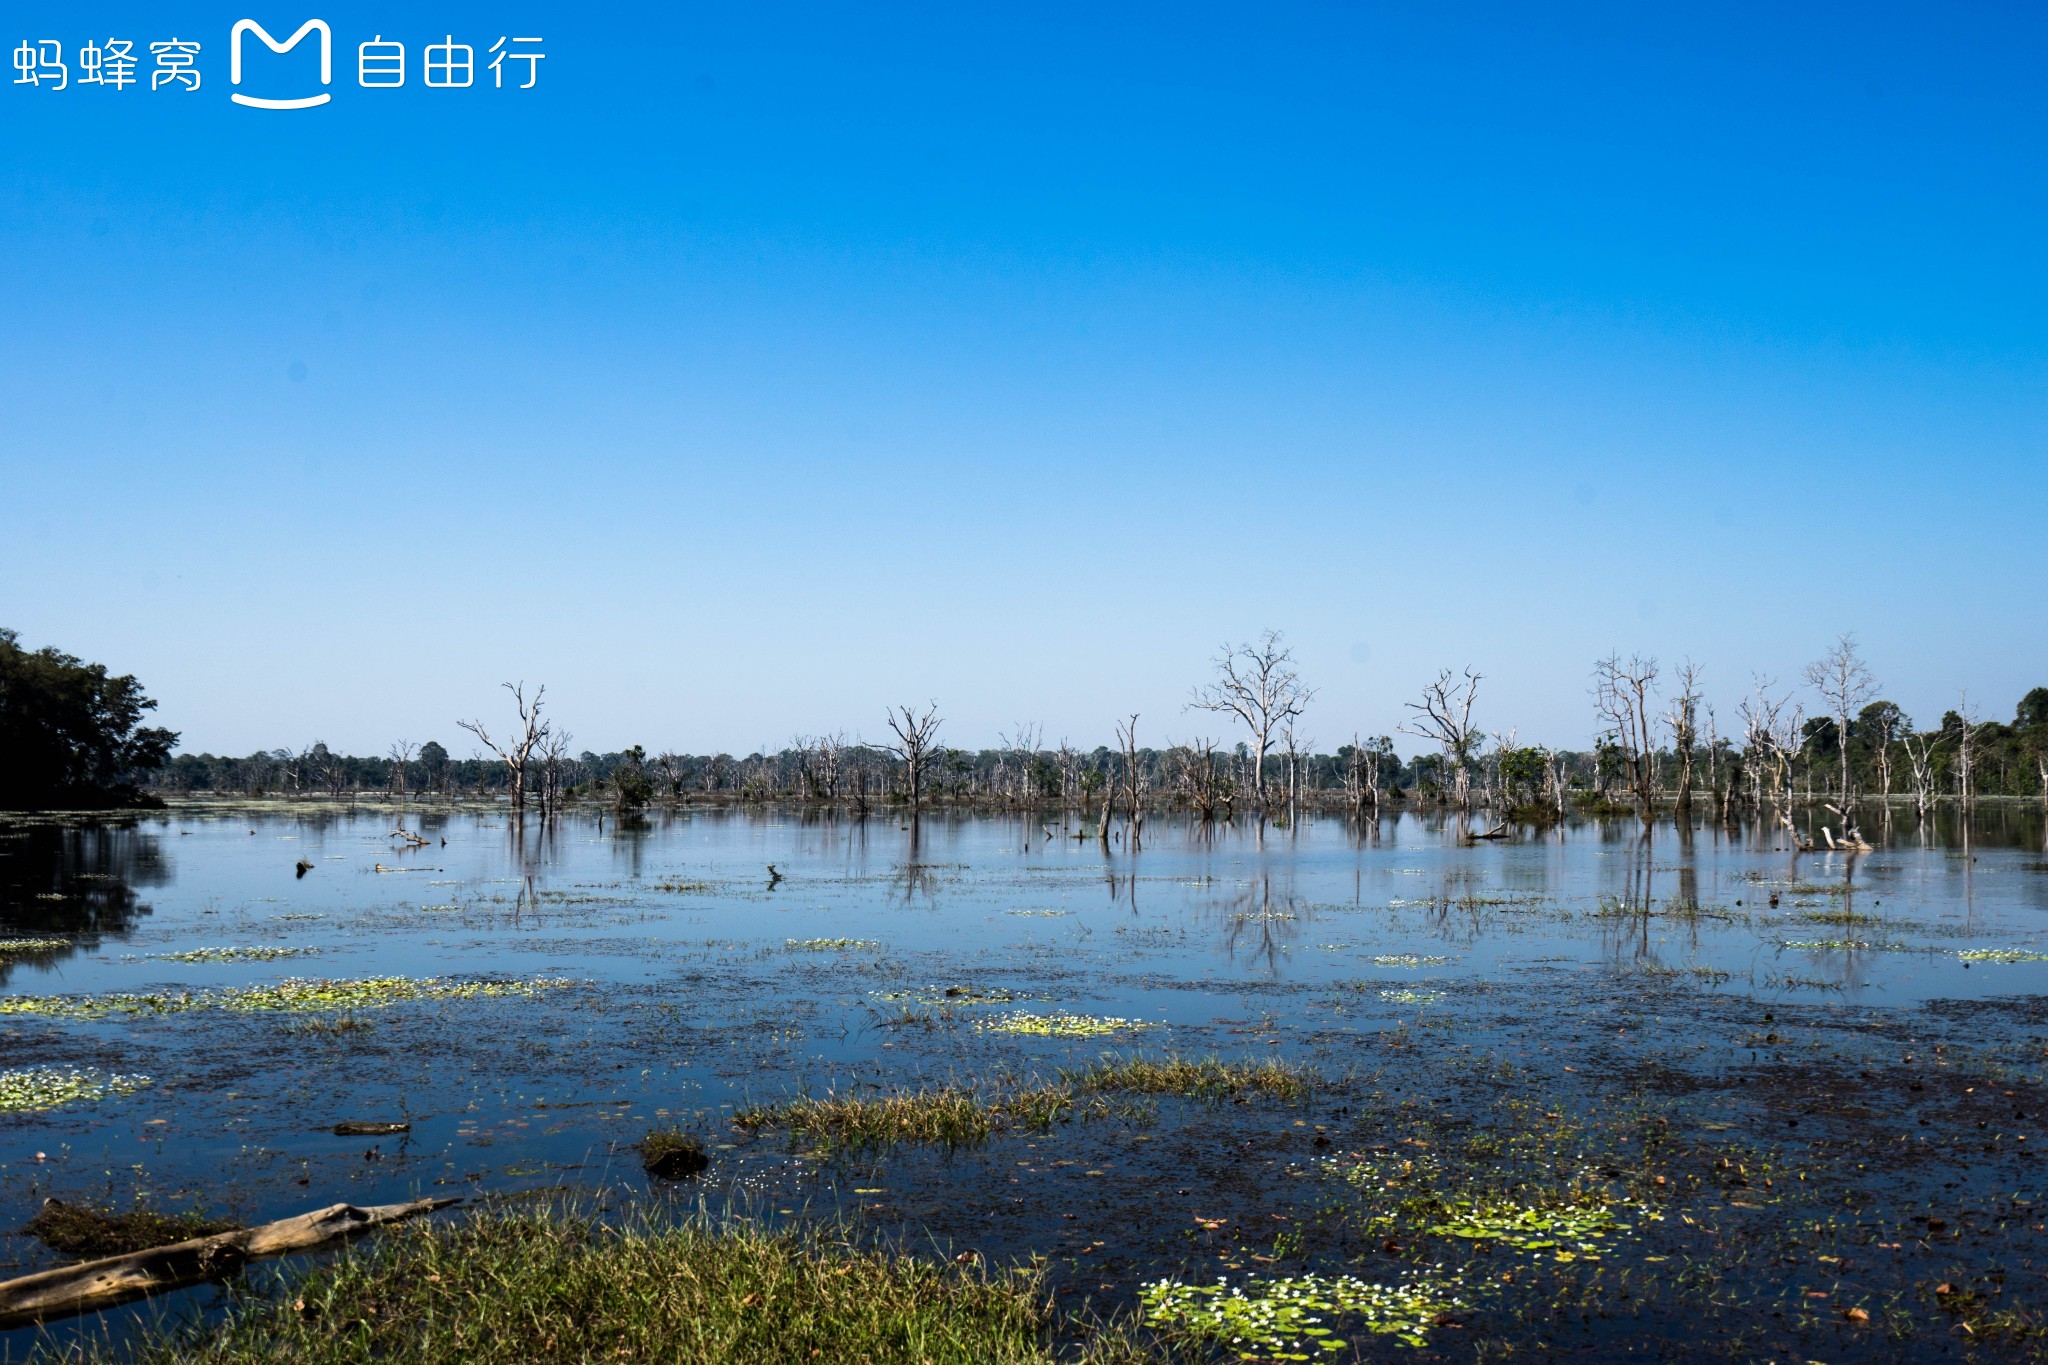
x: 765, y: 365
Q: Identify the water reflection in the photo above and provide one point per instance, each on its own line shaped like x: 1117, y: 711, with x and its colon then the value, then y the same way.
x: 74, y: 880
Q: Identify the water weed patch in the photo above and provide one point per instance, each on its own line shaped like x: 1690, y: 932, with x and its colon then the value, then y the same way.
x: 32, y: 1089
x: 296, y: 995
x: 1291, y: 1319
x: 1059, y: 1025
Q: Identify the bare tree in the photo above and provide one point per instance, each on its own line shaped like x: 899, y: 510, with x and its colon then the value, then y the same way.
x: 1966, y: 753
x: 1846, y: 685
x: 1258, y: 685
x: 1444, y: 716
x: 1681, y: 718
x: 401, y: 755
x: 1127, y: 740
x: 1920, y: 766
x: 914, y: 745
x: 1621, y: 696
x: 554, y: 754
x: 517, y: 753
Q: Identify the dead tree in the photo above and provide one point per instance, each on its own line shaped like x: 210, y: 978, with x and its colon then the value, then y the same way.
x: 1127, y: 740
x: 914, y: 746
x: 1621, y: 697
x: 554, y: 753
x: 1681, y: 718
x: 1444, y: 717
x: 1846, y: 685
x: 1920, y: 765
x: 401, y: 755
x: 517, y: 753
x: 1966, y: 754
x: 1258, y: 685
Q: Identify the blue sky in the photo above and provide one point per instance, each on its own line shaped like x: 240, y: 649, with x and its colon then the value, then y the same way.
x: 765, y: 365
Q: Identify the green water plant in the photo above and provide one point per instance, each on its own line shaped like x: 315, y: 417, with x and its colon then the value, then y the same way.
x: 255, y: 953
x: 1059, y: 1025
x: 32, y: 1089
x: 294, y: 995
x: 827, y: 945
x: 2001, y: 955
x: 1408, y: 960
x: 1290, y: 1319
x: 30, y: 947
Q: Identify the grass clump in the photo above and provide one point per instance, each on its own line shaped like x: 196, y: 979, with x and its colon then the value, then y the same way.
x: 1059, y: 1025
x: 32, y: 1089
x: 529, y: 1286
x: 1286, y: 1319
x: 89, y: 1233
x: 673, y: 1154
x: 1205, y: 1077
x: 951, y: 1116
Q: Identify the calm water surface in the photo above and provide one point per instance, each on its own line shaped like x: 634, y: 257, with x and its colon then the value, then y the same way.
x: 1709, y: 973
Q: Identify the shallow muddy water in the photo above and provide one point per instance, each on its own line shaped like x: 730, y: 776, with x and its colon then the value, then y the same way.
x: 1794, y: 1087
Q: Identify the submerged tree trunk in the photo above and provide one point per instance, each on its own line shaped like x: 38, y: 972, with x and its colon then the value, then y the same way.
x: 118, y: 1279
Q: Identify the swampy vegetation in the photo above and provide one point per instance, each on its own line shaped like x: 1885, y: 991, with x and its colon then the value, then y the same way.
x: 985, y: 1091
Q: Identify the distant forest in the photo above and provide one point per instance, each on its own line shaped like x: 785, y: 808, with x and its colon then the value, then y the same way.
x: 71, y: 735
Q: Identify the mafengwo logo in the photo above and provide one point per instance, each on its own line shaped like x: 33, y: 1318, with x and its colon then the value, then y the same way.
x: 249, y: 28
x: 266, y: 71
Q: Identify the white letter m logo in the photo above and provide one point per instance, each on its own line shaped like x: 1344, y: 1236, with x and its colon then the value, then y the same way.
x: 235, y: 61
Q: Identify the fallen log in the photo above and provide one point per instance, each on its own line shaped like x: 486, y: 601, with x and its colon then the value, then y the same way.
x: 116, y: 1280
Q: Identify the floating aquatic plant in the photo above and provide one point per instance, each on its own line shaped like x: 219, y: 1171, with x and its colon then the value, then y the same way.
x: 1408, y: 960
x: 1569, y: 1231
x: 257, y: 953
x: 27, y: 947
x: 2001, y: 955
x: 826, y: 945
x: 1409, y: 996
x: 1039, y: 914
x: 952, y: 995
x: 28, y: 1090
x: 1060, y: 1025
x: 1284, y: 1319
x: 296, y: 995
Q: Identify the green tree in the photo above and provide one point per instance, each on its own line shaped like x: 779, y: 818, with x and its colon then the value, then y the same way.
x: 71, y: 736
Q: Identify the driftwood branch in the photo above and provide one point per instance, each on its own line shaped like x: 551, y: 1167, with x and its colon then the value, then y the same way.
x: 119, y: 1279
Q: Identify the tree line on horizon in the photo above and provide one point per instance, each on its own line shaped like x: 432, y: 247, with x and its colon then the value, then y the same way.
x: 71, y: 736
x: 1659, y: 745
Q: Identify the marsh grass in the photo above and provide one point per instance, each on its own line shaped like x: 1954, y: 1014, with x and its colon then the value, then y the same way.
x: 88, y: 1233
x: 949, y: 1116
x: 1203, y: 1077
x: 521, y: 1286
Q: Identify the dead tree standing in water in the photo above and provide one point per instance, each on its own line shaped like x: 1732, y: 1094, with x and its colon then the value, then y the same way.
x: 1682, y: 720
x: 1846, y: 685
x: 1127, y: 740
x: 1621, y: 696
x: 401, y: 755
x: 518, y: 752
x: 1258, y: 685
x: 914, y: 745
x: 1444, y: 716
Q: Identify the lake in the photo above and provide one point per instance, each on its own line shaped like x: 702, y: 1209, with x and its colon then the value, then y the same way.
x: 1811, y: 1080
